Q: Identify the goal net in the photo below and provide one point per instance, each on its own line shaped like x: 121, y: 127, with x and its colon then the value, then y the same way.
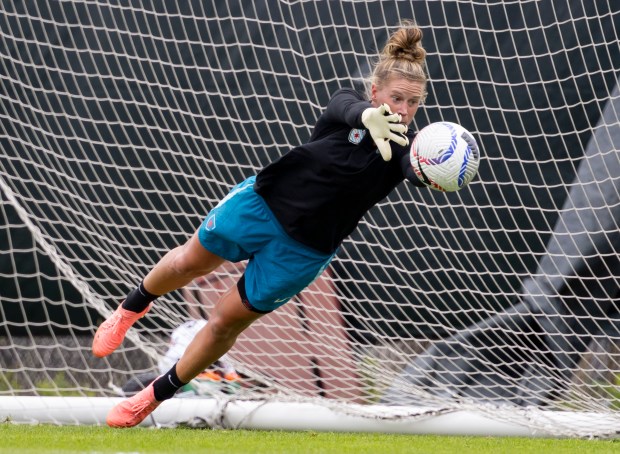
x: 123, y: 123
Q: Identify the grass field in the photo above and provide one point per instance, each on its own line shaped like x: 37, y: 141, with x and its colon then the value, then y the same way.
x: 43, y: 439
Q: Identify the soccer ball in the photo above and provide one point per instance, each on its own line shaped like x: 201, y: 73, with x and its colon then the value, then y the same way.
x: 445, y: 156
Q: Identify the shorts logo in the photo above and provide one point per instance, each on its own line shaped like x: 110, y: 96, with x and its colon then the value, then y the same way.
x: 210, y: 224
x: 283, y: 300
x: 356, y: 136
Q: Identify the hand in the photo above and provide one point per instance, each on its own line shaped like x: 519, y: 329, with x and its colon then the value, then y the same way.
x: 384, y: 126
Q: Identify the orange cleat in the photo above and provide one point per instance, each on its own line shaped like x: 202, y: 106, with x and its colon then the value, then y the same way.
x: 232, y: 376
x: 112, y: 331
x: 133, y: 411
x: 209, y: 375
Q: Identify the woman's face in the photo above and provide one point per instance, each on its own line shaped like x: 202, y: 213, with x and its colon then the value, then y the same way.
x: 402, y: 95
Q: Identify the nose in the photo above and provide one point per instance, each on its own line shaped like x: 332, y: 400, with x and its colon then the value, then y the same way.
x: 402, y: 111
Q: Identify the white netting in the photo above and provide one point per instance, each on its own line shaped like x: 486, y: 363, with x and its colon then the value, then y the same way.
x: 123, y: 123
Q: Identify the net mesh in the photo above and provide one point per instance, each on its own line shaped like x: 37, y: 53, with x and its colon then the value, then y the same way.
x: 123, y: 123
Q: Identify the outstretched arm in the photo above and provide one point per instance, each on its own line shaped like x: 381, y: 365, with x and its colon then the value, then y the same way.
x: 408, y: 173
x: 347, y: 106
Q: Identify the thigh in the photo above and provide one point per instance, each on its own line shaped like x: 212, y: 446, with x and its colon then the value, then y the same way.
x: 179, y: 266
x: 195, y: 256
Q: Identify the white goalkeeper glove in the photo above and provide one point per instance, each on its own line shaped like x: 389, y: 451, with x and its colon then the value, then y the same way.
x: 384, y: 126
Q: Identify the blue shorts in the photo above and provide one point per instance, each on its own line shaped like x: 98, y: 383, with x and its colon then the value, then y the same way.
x: 242, y: 227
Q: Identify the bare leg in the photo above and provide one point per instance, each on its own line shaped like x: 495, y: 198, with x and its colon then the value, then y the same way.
x: 175, y: 270
x: 180, y: 266
x: 228, y: 319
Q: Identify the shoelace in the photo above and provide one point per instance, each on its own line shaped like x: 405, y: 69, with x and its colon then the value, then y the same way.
x: 141, y: 406
x: 116, y: 320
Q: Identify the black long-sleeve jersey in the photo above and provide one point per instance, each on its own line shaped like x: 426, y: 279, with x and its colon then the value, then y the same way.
x: 319, y: 191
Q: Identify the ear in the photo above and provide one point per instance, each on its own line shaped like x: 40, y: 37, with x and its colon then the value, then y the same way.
x: 373, y: 95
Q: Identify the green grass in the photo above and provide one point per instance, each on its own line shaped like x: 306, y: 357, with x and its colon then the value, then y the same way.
x: 45, y: 439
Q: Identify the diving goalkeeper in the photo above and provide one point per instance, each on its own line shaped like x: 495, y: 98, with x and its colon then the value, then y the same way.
x: 287, y: 221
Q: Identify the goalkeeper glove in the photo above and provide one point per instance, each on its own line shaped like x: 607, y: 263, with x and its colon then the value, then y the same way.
x: 384, y: 126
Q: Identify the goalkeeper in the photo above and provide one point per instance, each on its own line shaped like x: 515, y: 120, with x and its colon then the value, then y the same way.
x: 288, y: 221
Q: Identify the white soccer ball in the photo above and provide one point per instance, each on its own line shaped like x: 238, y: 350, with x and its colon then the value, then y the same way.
x: 445, y: 156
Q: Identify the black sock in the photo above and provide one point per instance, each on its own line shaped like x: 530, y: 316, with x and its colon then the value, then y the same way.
x: 167, y: 385
x: 138, y: 299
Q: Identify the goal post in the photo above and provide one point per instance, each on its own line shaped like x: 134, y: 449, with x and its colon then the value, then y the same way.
x: 122, y: 124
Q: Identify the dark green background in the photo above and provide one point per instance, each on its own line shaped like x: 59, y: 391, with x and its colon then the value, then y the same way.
x: 547, y: 65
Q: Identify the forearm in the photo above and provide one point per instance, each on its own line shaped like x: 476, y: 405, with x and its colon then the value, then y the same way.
x: 408, y: 171
x: 346, y: 106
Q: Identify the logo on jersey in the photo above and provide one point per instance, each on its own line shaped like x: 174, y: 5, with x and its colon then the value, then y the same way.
x: 356, y: 136
x: 210, y: 224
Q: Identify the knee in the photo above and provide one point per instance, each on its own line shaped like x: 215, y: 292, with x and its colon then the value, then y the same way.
x: 185, y: 262
x: 222, y: 330
x: 225, y: 328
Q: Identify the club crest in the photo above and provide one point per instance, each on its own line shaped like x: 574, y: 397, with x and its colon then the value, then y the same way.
x: 210, y: 224
x: 356, y: 136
